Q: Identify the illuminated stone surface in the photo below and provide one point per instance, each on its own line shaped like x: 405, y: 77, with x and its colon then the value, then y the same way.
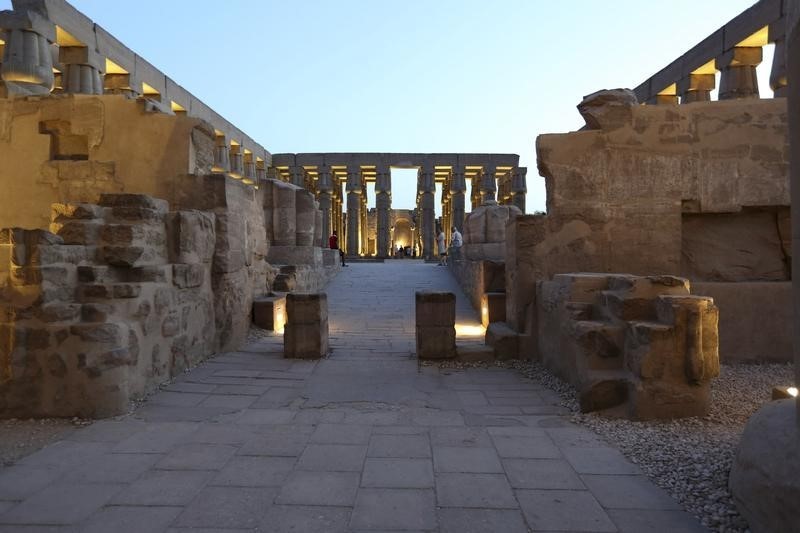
x: 363, y: 439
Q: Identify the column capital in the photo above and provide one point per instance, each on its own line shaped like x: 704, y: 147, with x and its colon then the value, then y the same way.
x: 458, y: 182
x: 353, y: 180
x: 324, y: 183
x: 518, y: 180
x: 383, y: 179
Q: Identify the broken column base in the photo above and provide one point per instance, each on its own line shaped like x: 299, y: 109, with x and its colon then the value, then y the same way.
x: 306, y: 333
x: 765, y: 476
x: 435, y: 325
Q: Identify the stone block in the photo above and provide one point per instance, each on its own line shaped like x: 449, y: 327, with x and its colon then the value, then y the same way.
x: 435, y: 309
x: 765, y: 475
x: 305, y: 341
x: 474, y: 353
x: 192, y: 237
x: 307, y: 308
x: 493, y: 308
x: 83, y: 232
x: 295, y: 255
x: 77, y: 211
x: 269, y: 312
x: 503, y: 340
x: 188, y: 276
x: 436, y: 342
x: 133, y: 200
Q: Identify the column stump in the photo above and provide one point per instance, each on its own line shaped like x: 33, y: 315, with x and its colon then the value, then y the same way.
x: 306, y: 334
x: 436, y: 325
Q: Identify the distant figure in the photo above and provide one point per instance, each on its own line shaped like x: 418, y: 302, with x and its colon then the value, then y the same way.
x: 440, y: 243
x: 456, y: 241
x: 333, y: 244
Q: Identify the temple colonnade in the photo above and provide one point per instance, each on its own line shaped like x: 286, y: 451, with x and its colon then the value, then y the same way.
x: 340, y: 184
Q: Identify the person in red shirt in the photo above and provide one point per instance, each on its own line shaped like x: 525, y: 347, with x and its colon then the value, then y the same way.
x: 333, y: 243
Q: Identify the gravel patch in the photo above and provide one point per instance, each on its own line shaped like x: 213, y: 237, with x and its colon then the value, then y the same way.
x: 19, y: 438
x: 691, y: 457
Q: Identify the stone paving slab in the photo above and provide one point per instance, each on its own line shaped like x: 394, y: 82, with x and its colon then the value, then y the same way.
x: 366, y: 440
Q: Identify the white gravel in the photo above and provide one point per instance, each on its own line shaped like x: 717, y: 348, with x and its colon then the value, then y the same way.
x: 690, y: 458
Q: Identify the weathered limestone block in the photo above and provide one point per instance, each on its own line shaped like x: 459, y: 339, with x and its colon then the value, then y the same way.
x: 435, y: 325
x: 608, y: 109
x: 306, y: 332
x: 269, y: 311
x: 192, y: 237
x: 503, y: 340
x: 765, y: 475
x: 485, y: 231
x: 642, y: 343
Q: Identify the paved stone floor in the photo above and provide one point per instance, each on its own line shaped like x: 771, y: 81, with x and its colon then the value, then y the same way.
x: 362, y: 441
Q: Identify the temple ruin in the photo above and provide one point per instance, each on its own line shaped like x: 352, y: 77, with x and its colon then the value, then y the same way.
x: 145, y: 233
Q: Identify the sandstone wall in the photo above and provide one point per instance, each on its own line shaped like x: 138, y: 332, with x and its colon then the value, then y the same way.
x: 72, y: 148
x: 117, y: 301
x: 477, y: 278
x: 698, y: 190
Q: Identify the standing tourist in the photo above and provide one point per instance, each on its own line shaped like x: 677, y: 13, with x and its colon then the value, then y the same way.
x: 333, y: 244
x: 440, y: 243
x: 456, y: 241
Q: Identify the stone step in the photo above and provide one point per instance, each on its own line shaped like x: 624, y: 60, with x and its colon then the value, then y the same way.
x: 474, y: 353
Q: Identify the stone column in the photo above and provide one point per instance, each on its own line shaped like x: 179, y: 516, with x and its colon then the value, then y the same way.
x: 475, y: 195
x: 488, y: 185
x: 383, y: 202
x: 427, y: 207
x: 325, y: 189
x: 519, y: 187
x: 353, y: 211
x: 27, y: 64
x: 777, y: 76
x: 236, y: 160
x: 298, y: 175
x: 82, y: 69
x: 458, y: 188
x: 221, y: 159
x: 696, y: 88
x: 738, y: 78
x: 363, y: 228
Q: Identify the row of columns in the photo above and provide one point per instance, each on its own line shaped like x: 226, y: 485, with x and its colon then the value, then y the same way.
x: 352, y: 224
x: 29, y: 57
x: 738, y: 76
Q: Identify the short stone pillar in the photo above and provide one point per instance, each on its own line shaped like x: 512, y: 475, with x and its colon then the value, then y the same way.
x: 269, y: 311
x: 306, y: 334
x: 436, y: 325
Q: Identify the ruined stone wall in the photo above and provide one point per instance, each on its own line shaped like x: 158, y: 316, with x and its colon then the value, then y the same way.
x: 116, y: 301
x: 72, y: 148
x: 697, y: 190
x: 476, y: 278
x: 642, y: 345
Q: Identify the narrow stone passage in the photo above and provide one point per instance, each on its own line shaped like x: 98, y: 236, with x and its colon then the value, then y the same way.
x: 365, y: 440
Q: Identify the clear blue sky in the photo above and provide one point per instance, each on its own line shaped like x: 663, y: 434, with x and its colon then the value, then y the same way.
x: 409, y: 75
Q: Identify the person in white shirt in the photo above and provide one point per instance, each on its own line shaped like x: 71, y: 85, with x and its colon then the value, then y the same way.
x: 442, y: 249
x: 456, y: 241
